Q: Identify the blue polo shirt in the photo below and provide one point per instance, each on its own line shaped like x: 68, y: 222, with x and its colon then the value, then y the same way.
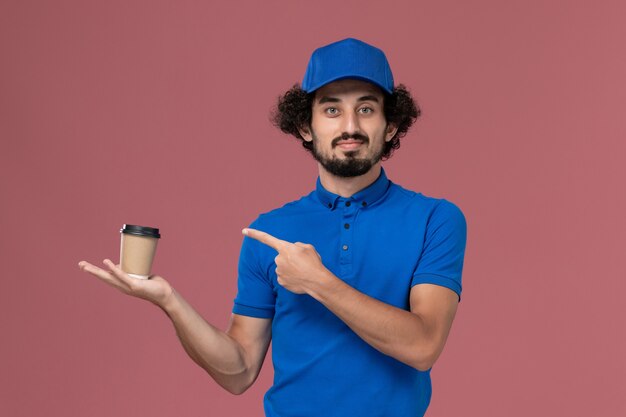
x: 382, y: 241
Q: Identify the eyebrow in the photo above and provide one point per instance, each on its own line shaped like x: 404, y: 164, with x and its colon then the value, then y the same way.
x: 327, y: 99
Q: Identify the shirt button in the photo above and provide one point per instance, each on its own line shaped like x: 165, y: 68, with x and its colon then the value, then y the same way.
x: 330, y: 205
x: 347, y: 226
x: 348, y: 204
x: 364, y: 204
x: 345, y: 247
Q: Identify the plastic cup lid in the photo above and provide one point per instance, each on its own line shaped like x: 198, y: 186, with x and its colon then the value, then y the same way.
x: 132, y: 229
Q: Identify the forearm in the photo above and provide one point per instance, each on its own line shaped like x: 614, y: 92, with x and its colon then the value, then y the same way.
x: 395, y: 332
x: 212, y: 349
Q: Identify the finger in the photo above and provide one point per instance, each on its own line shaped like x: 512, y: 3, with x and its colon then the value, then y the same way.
x: 101, y: 274
x: 266, y: 238
x: 119, y: 273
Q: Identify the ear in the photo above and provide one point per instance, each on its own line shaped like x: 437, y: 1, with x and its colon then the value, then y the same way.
x: 390, y: 132
x: 305, y: 132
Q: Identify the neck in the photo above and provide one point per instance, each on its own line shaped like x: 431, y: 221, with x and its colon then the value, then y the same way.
x: 347, y: 187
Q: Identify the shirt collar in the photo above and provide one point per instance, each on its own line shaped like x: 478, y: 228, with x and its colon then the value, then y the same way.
x: 365, y: 197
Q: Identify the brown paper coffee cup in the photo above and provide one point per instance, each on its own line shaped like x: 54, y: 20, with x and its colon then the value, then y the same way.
x: 137, y: 249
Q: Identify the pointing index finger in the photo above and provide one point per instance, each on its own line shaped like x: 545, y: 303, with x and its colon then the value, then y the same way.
x: 265, y: 238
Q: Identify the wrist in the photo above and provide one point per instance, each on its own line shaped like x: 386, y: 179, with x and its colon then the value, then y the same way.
x: 170, y: 303
x: 326, y: 281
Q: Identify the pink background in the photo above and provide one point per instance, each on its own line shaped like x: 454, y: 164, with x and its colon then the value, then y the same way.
x: 156, y: 113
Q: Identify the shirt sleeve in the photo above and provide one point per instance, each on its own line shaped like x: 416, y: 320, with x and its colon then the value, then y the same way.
x: 255, y: 291
x: 441, y: 262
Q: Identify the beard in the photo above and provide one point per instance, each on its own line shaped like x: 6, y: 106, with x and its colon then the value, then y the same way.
x: 351, y: 166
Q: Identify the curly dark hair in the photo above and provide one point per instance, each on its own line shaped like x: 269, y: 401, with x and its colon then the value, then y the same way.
x: 294, y: 109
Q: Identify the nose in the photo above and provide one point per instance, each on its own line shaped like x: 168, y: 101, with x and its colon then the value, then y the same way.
x: 351, y: 123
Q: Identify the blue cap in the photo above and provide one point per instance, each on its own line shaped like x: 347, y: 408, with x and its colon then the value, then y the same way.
x: 349, y: 58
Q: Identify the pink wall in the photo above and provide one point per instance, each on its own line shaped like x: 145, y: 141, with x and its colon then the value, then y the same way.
x: 156, y: 113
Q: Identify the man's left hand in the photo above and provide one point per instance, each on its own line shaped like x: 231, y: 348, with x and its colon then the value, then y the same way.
x: 298, y: 265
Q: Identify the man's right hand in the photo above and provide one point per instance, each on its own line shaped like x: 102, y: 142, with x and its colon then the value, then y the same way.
x: 156, y: 289
x: 233, y: 358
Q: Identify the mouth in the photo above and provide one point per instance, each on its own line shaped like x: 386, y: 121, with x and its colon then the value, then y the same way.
x: 349, y: 144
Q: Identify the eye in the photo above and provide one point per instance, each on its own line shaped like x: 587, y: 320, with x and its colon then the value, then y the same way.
x: 366, y: 110
x: 331, y: 111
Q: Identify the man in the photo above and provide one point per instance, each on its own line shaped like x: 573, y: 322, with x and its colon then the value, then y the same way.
x: 355, y: 284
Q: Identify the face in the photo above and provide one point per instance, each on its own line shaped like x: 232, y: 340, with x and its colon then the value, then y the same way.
x: 348, y: 127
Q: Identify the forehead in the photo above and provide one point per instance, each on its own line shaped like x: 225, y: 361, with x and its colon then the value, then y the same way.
x: 347, y: 88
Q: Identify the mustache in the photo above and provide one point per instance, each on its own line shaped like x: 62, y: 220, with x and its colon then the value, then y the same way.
x: 346, y: 136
